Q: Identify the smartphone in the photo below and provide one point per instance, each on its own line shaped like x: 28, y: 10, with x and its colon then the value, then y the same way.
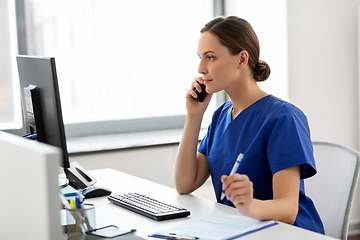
x: 201, y: 95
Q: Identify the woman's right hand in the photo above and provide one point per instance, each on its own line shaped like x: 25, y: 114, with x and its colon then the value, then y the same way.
x: 193, y: 106
x: 192, y: 169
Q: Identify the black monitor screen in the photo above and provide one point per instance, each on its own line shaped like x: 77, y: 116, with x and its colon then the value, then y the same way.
x: 39, y: 73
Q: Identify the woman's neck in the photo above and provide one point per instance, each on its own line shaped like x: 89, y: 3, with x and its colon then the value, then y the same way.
x: 243, y: 95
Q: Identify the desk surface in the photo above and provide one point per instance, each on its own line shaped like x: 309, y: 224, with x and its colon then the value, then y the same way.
x: 111, y: 214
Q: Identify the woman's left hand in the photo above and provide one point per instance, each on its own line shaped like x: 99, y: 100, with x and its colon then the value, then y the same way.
x: 284, y: 205
x: 239, y: 190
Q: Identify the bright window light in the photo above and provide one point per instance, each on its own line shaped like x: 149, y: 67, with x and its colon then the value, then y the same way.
x: 119, y: 59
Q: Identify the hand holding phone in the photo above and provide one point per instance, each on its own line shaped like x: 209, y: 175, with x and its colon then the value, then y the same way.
x: 201, y: 95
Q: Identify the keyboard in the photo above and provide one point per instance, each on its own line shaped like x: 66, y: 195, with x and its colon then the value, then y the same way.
x: 148, y: 207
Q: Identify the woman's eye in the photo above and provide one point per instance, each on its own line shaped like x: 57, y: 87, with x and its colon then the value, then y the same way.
x: 210, y: 57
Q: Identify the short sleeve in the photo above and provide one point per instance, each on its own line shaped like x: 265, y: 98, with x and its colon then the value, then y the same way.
x: 203, y: 146
x: 290, y: 143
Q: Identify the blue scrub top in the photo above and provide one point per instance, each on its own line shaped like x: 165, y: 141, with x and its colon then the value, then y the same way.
x: 273, y: 135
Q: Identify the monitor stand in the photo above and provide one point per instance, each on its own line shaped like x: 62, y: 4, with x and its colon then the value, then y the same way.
x: 78, y: 176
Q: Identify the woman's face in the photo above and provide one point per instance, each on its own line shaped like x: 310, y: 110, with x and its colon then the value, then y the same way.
x: 218, y: 67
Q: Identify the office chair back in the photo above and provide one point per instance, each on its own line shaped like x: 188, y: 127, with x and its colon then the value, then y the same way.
x: 332, y: 189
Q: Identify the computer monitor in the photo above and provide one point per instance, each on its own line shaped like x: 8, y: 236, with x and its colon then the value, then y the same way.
x: 30, y: 192
x: 42, y: 111
x: 40, y: 74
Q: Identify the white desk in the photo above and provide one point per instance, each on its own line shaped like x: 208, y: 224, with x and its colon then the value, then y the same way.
x: 111, y: 214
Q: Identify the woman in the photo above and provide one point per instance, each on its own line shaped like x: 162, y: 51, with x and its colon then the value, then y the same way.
x: 272, y: 134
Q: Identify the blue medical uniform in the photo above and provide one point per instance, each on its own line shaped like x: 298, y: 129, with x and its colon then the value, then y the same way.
x: 273, y: 135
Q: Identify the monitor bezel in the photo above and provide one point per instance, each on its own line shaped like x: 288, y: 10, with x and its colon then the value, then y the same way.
x: 41, y: 72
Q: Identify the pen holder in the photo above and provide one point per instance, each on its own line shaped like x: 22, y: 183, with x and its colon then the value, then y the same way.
x: 79, y: 221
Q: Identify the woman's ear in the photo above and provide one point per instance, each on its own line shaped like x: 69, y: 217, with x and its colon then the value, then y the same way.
x: 243, y: 59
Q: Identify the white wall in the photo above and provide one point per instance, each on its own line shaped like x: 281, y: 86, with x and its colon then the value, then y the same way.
x: 323, y: 67
x: 323, y: 71
x: 153, y: 163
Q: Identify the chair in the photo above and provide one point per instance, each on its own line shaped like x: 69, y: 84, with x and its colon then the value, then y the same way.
x: 332, y: 189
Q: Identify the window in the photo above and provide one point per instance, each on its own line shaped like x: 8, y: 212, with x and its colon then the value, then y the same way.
x: 119, y: 59
x: 10, y: 113
x: 122, y: 62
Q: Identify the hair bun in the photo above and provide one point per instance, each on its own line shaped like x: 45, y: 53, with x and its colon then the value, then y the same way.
x: 262, y: 71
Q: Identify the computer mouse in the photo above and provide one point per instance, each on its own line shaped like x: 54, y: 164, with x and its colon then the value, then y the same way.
x: 95, y: 191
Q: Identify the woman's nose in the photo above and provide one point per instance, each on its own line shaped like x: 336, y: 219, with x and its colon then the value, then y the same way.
x: 202, y: 68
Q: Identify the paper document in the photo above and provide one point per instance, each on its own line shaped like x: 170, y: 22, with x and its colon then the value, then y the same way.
x: 217, y: 226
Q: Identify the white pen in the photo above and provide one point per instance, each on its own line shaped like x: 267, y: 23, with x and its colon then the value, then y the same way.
x: 233, y: 170
x: 64, y: 201
x: 82, y: 206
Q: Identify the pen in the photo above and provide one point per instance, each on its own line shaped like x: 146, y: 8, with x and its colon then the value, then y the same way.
x: 173, y: 236
x: 77, y: 202
x: 64, y: 201
x: 73, y: 203
x: 233, y: 170
x: 81, y: 200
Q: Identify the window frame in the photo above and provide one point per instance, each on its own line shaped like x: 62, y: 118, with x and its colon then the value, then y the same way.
x: 111, y: 127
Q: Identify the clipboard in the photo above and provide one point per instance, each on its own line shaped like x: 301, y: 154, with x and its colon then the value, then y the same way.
x: 216, y: 226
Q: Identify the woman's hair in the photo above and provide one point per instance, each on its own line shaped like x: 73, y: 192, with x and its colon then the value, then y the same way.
x: 237, y: 35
